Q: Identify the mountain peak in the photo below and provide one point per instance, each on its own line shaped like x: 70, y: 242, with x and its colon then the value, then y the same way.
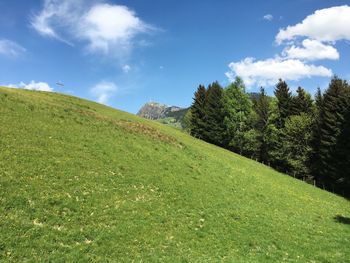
x: 154, y: 110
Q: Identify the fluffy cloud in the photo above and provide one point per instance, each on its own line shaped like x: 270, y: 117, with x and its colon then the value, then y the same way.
x: 10, y: 48
x: 267, y: 72
x: 103, y: 91
x: 268, y: 17
x: 311, y: 50
x: 329, y: 24
x: 40, y: 86
x: 319, y: 32
x: 105, y: 28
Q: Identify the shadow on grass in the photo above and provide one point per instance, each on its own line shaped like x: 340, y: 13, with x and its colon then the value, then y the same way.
x: 342, y: 219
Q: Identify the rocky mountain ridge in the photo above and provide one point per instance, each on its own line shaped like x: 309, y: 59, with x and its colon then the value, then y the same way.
x: 169, y: 115
x: 155, y: 111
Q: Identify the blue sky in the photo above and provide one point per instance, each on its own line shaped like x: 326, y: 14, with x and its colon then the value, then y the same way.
x: 126, y: 53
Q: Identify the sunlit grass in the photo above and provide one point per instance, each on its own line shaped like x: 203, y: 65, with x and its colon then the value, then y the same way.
x: 81, y: 181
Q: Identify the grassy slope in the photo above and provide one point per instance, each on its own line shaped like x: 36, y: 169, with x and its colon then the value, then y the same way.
x: 80, y: 181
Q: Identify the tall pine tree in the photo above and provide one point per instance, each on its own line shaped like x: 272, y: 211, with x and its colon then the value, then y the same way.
x: 197, y: 117
x: 262, y: 109
x: 315, y: 165
x: 301, y: 103
x: 284, y: 102
x: 333, y: 112
x: 343, y: 156
x: 214, y: 115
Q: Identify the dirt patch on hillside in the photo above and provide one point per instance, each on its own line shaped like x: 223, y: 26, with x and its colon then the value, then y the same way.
x: 148, y: 131
x: 134, y: 127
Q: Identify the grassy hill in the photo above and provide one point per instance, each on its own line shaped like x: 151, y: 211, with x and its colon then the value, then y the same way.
x: 83, y: 182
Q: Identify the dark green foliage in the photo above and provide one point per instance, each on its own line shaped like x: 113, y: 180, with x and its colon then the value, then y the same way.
x: 214, y: 115
x: 316, y: 137
x: 207, y: 114
x: 284, y: 98
x: 343, y: 157
x: 318, y: 98
x: 197, y: 123
x: 302, y: 102
x: 293, y: 134
x: 332, y: 123
x: 262, y: 109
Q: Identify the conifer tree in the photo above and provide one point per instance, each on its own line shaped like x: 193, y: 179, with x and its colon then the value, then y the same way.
x: 302, y: 102
x: 284, y: 98
x: 274, y: 138
x: 214, y: 115
x: 343, y: 156
x: 318, y: 98
x: 335, y: 105
x: 316, y: 133
x: 197, y: 117
x: 262, y: 109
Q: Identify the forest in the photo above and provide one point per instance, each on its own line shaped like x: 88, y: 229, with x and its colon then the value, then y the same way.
x: 304, y: 136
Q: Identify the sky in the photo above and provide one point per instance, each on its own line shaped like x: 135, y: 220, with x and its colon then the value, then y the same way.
x: 126, y: 53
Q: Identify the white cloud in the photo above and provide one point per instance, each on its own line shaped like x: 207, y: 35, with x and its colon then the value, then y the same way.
x: 311, y: 50
x: 57, y: 17
x: 104, y: 28
x: 329, y: 24
x: 267, y: 72
x: 103, y: 91
x: 10, y: 48
x: 40, y: 86
x: 268, y: 17
x: 319, y: 32
x: 108, y: 26
x: 126, y: 68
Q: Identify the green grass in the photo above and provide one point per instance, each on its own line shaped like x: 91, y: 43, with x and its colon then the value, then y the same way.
x: 83, y: 182
x: 171, y: 121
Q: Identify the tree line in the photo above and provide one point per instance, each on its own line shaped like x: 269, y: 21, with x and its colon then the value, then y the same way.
x: 305, y: 137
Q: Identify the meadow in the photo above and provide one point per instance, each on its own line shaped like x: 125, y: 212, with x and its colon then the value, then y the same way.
x: 80, y: 181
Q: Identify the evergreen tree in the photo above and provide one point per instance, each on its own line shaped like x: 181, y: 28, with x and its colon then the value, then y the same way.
x: 318, y: 99
x: 343, y: 156
x: 262, y: 109
x: 316, y: 134
x: 274, y: 138
x: 197, y: 115
x: 284, y: 98
x: 302, y: 102
x: 335, y: 106
x: 214, y: 115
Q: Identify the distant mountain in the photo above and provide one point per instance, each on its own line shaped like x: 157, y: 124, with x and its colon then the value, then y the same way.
x: 171, y: 115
